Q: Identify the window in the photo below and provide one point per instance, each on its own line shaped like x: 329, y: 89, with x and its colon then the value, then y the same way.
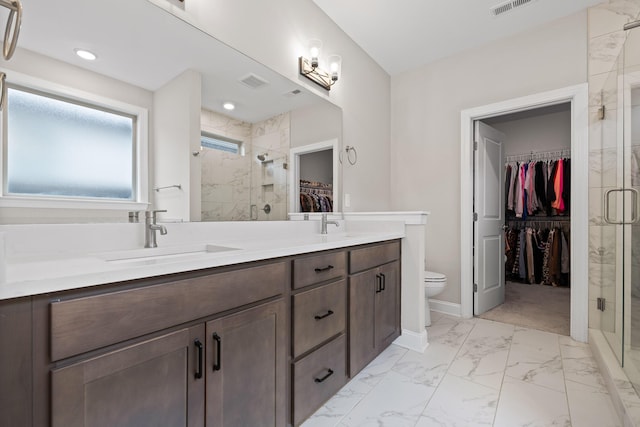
x: 215, y: 142
x: 66, y: 147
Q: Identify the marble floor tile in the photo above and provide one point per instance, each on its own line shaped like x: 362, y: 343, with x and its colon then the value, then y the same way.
x: 476, y: 373
x: 483, y: 356
x: 535, y: 358
x: 525, y: 404
x: 341, y: 403
x: 590, y: 406
x: 396, y: 401
x: 580, y: 366
x: 459, y: 403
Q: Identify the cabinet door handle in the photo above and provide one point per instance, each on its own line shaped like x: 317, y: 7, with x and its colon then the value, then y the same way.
x: 319, y: 380
x: 327, y: 268
x: 200, y: 347
x: 383, y: 282
x: 378, y: 284
x: 218, y: 363
x: 320, y: 317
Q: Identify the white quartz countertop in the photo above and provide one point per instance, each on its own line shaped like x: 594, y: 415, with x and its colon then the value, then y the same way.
x: 32, y: 272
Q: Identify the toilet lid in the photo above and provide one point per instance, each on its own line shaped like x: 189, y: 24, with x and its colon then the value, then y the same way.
x: 430, y: 276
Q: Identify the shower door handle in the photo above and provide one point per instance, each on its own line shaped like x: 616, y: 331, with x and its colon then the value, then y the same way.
x: 634, y: 206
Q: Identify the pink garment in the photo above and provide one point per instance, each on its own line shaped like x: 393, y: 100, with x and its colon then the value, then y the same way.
x: 519, y: 199
x: 558, y: 183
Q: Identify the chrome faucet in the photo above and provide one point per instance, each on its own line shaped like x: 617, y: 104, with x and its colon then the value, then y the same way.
x: 150, y: 228
x: 325, y: 222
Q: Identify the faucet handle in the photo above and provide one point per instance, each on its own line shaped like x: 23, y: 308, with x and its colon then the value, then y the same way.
x: 152, y: 213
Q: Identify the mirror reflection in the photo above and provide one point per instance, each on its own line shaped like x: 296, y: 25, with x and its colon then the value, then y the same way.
x: 205, y: 162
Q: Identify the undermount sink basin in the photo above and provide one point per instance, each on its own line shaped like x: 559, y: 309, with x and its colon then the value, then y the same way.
x: 162, y: 253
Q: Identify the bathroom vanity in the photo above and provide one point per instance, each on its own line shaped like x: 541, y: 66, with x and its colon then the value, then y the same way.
x: 261, y: 342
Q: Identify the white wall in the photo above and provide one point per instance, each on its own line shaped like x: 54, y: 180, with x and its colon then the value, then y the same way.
x: 544, y: 132
x: 177, y: 128
x: 425, y: 122
x: 317, y: 166
x: 275, y: 33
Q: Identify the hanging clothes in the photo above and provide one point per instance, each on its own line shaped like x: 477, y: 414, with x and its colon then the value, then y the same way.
x: 537, y: 188
x: 539, y: 256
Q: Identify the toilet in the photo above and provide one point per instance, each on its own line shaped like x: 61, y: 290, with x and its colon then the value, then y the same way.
x: 434, y: 283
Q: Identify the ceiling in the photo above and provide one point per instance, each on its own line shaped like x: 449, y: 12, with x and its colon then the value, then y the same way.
x: 401, y: 35
x: 151, y: 55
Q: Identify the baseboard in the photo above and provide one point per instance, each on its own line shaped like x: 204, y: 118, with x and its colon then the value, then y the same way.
x: 413, y: 341
x: 445, y: 307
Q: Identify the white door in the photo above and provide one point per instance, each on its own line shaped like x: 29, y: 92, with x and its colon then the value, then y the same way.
x: 489, y: 206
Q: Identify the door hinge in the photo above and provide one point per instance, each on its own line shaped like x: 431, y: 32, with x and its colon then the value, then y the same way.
x: 600, y: 302
x: 475, y: 287
x: 475, y: 216
x: 475, y: 145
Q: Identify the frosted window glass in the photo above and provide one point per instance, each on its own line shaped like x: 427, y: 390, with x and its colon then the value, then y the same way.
x: 58, y: 148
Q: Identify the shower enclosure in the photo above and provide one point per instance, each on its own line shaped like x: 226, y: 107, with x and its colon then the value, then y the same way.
x: 615, y: 250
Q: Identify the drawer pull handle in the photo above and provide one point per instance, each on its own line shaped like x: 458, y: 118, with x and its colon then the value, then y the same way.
x: 218, y: 363
x: 384, y: 282
x: 320, y: 317
x: 319, y: 380
x: 327, y: 268
x: 200, y: 347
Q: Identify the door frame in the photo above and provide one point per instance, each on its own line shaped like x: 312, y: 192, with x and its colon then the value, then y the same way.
x: 294, y: 172
x: 578, y: 96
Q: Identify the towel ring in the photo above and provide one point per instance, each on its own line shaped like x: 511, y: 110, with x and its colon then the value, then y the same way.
x: 13, y: 22
x: 349, y: 149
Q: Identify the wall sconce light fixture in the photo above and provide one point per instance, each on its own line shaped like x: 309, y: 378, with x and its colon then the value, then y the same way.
x: 311, y: 70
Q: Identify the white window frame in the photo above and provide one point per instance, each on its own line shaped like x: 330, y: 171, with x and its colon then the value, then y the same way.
x: 141, y: 153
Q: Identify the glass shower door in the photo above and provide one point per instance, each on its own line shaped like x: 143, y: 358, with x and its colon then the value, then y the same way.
x: 629, y: 126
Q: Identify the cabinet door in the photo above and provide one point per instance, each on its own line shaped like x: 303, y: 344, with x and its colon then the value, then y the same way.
x: 387, y: 305
x: 362, y: 338
x: 246, y: 368
x: 152, y: 383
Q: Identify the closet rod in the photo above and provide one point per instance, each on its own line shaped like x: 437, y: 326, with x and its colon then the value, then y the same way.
x: 540, y: 155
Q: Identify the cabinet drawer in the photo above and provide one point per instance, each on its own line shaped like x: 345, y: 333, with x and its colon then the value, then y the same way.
x: 317, y: 377
x: 318, y: 315
x: 83, y: 324
x: 373, y: 256
x: 318, y: 268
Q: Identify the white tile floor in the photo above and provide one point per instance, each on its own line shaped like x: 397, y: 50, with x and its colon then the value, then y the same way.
x: 476, y: 372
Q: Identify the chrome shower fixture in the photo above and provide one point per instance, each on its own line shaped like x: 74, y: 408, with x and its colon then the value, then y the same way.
x: 262, y: 157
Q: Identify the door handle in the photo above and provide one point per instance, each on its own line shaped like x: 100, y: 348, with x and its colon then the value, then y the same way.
x: 378, y: 284
x: 634, y: 206
x: 217, y: 365
x: 200, y: 347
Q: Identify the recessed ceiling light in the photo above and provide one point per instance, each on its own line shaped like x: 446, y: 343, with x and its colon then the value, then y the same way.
x: 85, y: 54
x: 228, y: 106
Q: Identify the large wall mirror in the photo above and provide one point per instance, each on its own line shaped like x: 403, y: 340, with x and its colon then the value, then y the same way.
x: 205, y: 162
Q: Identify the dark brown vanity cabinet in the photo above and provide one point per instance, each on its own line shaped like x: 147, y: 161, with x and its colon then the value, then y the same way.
x: 217, y: 370
x: 374, y: 302
x: 152, y: 383
x: 259, y: 344
x: 246, y: 368
x: 319, y: 319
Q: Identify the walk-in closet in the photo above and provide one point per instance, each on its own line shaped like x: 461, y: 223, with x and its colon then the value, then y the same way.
x: 536, y: 198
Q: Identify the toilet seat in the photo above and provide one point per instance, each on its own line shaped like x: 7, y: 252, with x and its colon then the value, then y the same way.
x: 433, y: 277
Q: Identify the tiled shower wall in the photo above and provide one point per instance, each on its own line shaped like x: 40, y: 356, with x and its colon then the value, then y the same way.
x: 231, y: 184
x: 606, y: 41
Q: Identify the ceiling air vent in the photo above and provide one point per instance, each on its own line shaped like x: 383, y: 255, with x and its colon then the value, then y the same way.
x: 253, y: 81
x: 508, y: 6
